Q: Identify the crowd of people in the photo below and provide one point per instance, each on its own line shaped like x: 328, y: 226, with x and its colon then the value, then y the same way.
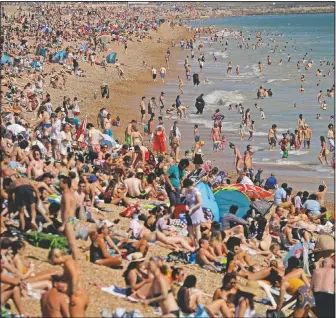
x: 60, y: 176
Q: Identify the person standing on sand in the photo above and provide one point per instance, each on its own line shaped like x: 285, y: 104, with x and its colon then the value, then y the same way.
x: 154, y: 73
x: 163, y: 73
x: 79, y: 298
x: 128, y: 132
x: 180, y: 82
x: 248, y: 156
x: 94, y: 135
x: 161, y: 102
x: 152, y: 106
x: 238, y: 158
x: 272, y: 138
x: 143, y: 109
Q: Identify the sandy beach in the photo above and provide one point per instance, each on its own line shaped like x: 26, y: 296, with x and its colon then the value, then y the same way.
x: 144, y: 50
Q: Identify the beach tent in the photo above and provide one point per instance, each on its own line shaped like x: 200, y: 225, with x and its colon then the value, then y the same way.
x: 6, y: 59
x: 227, y: 197
x: 208, y: 199
x: 59, y: 56
x: 111, y: 58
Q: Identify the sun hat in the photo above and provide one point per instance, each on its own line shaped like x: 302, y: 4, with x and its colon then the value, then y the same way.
x: 93, y: 178
x: 251, y: 287
x: 135, y: 257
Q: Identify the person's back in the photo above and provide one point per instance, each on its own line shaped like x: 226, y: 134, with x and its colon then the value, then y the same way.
x: 271, y: 183
x: 133, y: 186
x: 279, y: 195
x: 313, y: 206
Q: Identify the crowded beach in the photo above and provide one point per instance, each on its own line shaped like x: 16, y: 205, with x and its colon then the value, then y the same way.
x: 105, y: 214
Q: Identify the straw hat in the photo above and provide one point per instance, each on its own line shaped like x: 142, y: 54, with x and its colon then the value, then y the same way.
x: 251, y: 287
x: 136, y: 257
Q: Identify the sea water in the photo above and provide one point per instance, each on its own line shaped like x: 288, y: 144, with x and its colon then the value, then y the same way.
x: 296, y: 35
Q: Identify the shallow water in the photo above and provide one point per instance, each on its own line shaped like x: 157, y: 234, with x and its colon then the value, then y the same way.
x: 313, y: 34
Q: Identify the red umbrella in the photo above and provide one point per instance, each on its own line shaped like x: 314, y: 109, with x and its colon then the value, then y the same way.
x: 252, y: 191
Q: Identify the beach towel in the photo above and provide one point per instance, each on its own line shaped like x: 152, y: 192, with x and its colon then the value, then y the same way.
x: 119, y: 292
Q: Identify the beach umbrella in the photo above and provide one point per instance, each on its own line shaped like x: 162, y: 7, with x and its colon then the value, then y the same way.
x: 15, y: 129
x: 111, y: 58
x: 225, y: 197
x: 108, y: 140
x: 299, y: 250
x: 6, y: 59
x: 252, y: 191
x: 81, y: 132
x: 208, y: 199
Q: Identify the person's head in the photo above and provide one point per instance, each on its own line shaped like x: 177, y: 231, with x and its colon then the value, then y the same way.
x: 37, y: 154
x: 313, y: 197
x: 305, y: 194
x: 229, y: 281
x: 293, y: 263
x: 274, y: 126
x: 275, y: 248
x: 279, y: 211
x: 56, y: 256
x: 183, y: 164
x: 204, y: 242
x: 195, y: 126
x: 233, y: 209
x: 321, y: 188
x: 299, y: 194
x: 65, y: 182
x: 322, y: 139
x: 232, y: 146
x: 190, y: 281
x: 59, y: 283
x: 17, y: 247
x: 153, y: 265
x: 284, y: 186
x: 178, y: 274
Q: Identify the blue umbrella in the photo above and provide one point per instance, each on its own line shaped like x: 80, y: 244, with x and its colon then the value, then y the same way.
x: 6, y: 59
x: 108, y: 140
x: 208, y: 199
x: 111, y: 58
x: 297, y: 251
x: 227, y: 197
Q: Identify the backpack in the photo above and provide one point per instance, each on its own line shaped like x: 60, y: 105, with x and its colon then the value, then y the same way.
x: 180, y: 257
x: 49, y: 241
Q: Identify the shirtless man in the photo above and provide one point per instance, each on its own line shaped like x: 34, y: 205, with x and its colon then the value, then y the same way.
x: 54, y: 302
x: 162, y: 73
x: 128, y: 131
x: 139, y: 155
x: 204, y: 257
x: 320, y: 194
x: 108, y: 125
x: 36, y: 166
x: 26, y: 196
x: 238, y: 158
x: 180, y: 82
x: 136, y: 137
x: 272, y: 138
x: 307, y: 136
x: 143, y: 109
x: 79, y: 299
x: 248, y: 155
x: 68, y: 208
x: 320, y: 96
x: 134, y: 187
x: 94, y: 135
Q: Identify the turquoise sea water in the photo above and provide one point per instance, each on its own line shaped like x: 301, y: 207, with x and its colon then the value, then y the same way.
x: 296, y: 35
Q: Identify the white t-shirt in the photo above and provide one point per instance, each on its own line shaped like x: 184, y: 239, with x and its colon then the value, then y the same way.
x: 246, y: 180
x: 56, y: 129
x: 279, y: 194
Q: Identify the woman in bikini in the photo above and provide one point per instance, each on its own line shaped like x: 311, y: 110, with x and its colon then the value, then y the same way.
x: 138, y: 283
x: 324, y: 151
x: 161, y: 291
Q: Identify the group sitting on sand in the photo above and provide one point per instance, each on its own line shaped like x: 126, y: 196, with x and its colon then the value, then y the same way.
x: 62, y: 177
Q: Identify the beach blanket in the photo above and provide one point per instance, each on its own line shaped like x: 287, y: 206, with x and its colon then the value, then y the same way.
x: 119, y: 292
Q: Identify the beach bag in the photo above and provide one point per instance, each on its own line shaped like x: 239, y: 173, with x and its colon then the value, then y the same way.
x: 178, y: 257
x: 130, y: 211
x: 48, y: 241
